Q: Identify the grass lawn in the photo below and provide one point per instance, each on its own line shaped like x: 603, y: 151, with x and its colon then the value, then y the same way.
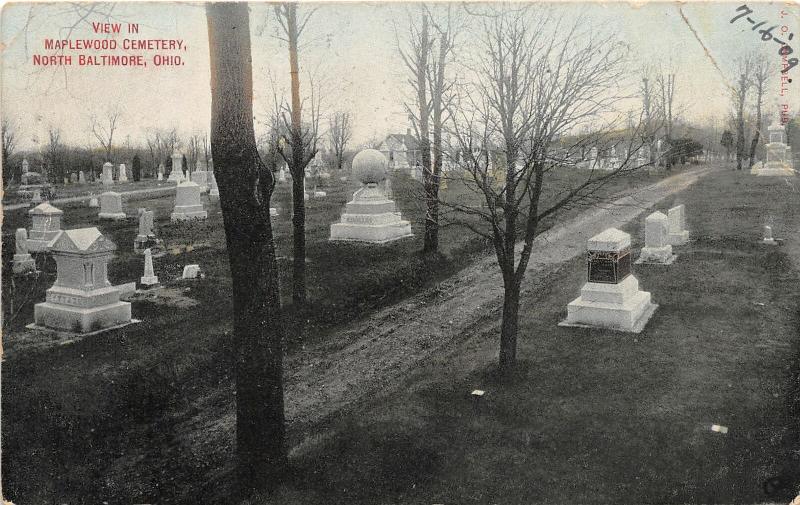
x: 602, y: 417
x: 95, y: 419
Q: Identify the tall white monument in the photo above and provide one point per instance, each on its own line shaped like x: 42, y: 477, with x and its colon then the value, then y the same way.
x: 108, y: 174
x: 176, y: 175
x: 370, y: 217
x: 779, y: 156
x: 82, y: 299
x: 611, y: 298
x: 678, y: 234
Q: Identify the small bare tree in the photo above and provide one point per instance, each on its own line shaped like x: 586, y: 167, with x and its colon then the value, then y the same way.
x: 103, y: 131
x: 534, y: 83
x: 9, y: 132
x: 53, y: 154
x: 340, y: 132
x: 666, y: 90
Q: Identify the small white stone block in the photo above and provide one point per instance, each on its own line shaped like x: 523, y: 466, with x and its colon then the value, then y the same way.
x: 93, y: 202
x: 320, y: 194
x: 273, y: 211
x: 191, y: 272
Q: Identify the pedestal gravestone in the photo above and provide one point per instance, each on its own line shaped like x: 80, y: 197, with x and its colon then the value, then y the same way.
x: 108, y: 174
x: 81, y: 177
x: 45, y: 226
x: 23, y: 262
x: 678, y: 234
x: 176, y: 175
x: 146, y: 237
x: 657, y: 249
x: 213, y: 190
x: 161, y: 172
x: 370, y: 217
x: 111, y: 206
x: 777, y: 163
x: 123, y: 173
x: 200, y: 177
x: 149, y: 278
x: 611, y: 298
x: 187, y: 203
x: 82, y: 299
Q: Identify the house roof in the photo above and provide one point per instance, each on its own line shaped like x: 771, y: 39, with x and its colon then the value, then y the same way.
x: 409, y: 140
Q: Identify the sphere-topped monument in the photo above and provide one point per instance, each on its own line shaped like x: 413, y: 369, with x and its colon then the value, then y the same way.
x: 370, y: 217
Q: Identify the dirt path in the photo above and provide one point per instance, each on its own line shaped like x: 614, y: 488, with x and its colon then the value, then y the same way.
x: 323, y: 379
x: 368, y: 358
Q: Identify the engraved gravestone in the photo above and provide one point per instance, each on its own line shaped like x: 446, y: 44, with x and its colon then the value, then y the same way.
x: 23, y: 261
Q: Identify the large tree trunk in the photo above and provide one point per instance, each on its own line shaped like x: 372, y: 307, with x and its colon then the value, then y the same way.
x: 245, y: 186
x: 299, y: 240
x: 757, y: 133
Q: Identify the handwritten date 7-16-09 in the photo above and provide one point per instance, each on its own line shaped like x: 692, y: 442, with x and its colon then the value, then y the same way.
x: 766, y: 35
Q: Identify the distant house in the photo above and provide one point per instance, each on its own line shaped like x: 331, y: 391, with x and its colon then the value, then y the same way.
x: 402, y: 150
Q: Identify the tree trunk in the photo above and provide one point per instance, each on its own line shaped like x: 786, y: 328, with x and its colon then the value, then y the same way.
x: 298, y: 168
x: 508, y: 331
x: 245, y: 187
x: 757, y: 134
x: 299, y: 241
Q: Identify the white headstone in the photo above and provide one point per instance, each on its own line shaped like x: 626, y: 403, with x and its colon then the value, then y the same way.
x: 23, y: 261
x: 111, y: 206
x: 213, y: 190
x: 36, y: 199
x: 176, y: 175
x: 25, y: 167
x: 108, y: 174
x: 93, y: 203
x: 768, y: 239
x: 678, y: 235
x: 123, y: 173
x: 82, y: 299
x: 81, y: 177
x: 149, y: 278
x: 656, y: 239
x: 187, y: 203
x: 191, y: 272
x: 200, y: 177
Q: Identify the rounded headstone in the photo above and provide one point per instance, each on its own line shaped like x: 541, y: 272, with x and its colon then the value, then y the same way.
x: 369, y: 166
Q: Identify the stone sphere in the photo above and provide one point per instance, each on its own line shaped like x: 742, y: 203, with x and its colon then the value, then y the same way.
x: 369, y: 166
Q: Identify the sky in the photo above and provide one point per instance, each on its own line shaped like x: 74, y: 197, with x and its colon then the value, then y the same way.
x: 350, y: 49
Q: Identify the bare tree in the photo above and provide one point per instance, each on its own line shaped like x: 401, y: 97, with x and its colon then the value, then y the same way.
x: 744, y: 68
x: 103, y: 131
x: 760, y: 76
x: 534, y: 82
x: 666, y: 89
x: 302, y: 145
x: 9, y: 132
x: 416, y: 59
x: 245, y: 187
x: 53, y: 154
x: 648, y: 113
x: 340, y: 132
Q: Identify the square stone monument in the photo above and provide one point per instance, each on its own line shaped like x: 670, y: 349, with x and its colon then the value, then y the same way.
x: 777, y: 162
x: 82, y: 300
x: 111, y: 206
x: 657, y: 249
x: 187, y: 203
x: 149, y: 278
x: 678, y: 234
x: 370, y: 217
x: 45, y: 226
x: 611, y: 298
